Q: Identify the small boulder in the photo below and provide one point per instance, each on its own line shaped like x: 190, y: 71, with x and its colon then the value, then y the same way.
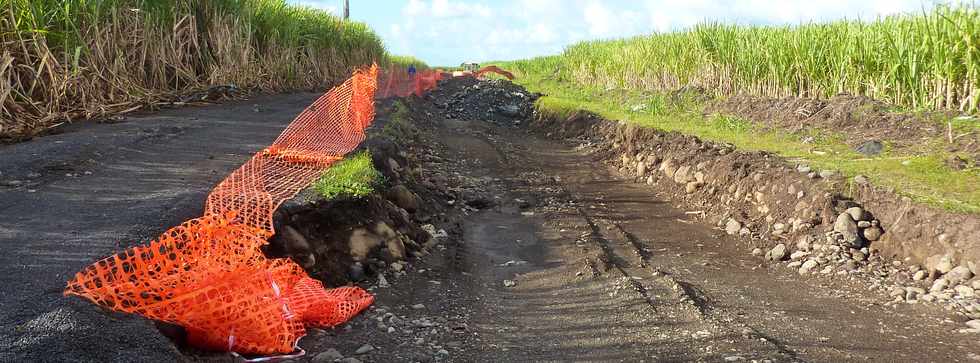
x: 404, y: 198
x: 732, y: 227
x: 958, y: 274
x: 846, y: 226
x: 331, y: 355
x: 682, y: 175
x: 777, y: 253
x: 362, y: 242
x: 807, y: 267
x: 858, y: 214
x: 872, y: 233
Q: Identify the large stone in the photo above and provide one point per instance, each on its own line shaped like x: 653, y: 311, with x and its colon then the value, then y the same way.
x: 846, y: 226
x: 732, y: 226
x: 641, y: 168
x: 858, y: 214
x: 404, y: 198
x: 682, y: 175
x: 777, y: 253
x: 807, y: 267
x: 958, y: 274
x: 396, y: 249
x: 331, y: 355
x: 362, y: 242
x: 872, y: 233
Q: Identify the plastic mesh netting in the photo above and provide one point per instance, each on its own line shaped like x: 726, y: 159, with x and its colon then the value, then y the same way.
x: 209, y: 274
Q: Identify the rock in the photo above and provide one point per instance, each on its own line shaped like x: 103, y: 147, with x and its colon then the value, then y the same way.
x: 418, y: 306
x: 864, y: 224
x: 939, y: 285
x: 804, y: 243
x: 682, y: 175
x: 958, y: 275
x: 795, y: 264
x: 827, y: 174
x: 913, y: 292
x: 945, y: 266
x: 510, y: 283
x: 858, y: 255
x: 858, y: 214
x: 870, y: 148
x: 641, y: 168
x: 364, y: 349
x: 362, y: 242
x: 757, y: 252
x: 860, y: 180
x: 871, y: 233
x: 803, y: 168
x: 975, y: 323
x: 846, y: 226
x: 850, y: 265
x: 807, y: 266
x: 397, y: 266
x: 897, y: 292
x: 350, y: 360
x: 692, y: 187
x: 777, y: 253
x: 964, y: 291
x: 798, y: 255
x: 442, y: 352
x: 404, y: 198
x: 779, y: 227
x: 975, y: 284
x: 732, y: 226
x: 331, y: 355
x: 396, y: 249
x: 919, y: 275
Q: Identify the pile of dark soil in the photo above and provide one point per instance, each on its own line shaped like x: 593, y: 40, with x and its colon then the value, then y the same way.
x: 496, y: 100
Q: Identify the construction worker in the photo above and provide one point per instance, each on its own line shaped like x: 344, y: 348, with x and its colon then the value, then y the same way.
x: 411, y: 71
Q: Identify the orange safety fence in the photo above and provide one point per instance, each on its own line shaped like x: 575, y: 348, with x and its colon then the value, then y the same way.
x: 209, y: 274
x: 397, y: 82
x: 493, y: 69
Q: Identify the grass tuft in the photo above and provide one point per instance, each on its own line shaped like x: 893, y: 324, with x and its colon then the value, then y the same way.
x: 353, y: 177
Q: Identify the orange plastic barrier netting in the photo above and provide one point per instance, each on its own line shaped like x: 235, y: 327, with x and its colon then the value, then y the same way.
x: 493, y: 69
x: 397, y: 82
x: 209, y: 274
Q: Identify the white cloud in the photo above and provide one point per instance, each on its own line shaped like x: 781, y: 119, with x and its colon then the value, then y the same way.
x: 445, y: 9
x: 599, y: 19
x: 450, y: 31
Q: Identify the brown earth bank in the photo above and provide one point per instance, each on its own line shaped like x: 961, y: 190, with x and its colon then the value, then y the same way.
x: 782, y: 207
x: 863, y: 123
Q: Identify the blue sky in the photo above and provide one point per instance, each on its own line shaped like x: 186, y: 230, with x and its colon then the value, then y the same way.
x: 448, y: 32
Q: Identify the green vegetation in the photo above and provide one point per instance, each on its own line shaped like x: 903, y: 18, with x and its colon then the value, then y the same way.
x: 930, y: 60
x: 397, y: 128
x: 923, y: 177
x: 353, y: 177
x: 70, y: 59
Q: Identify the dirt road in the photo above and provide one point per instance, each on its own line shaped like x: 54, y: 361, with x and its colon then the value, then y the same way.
x: 605, y: 270
x: 563, y: 260
x: 69, y: 199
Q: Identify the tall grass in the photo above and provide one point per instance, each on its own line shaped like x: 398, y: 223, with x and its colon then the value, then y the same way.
x: 929, y: 60
x: 70, y: 59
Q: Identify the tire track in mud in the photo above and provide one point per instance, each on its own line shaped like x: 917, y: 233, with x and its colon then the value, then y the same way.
x: 619, y: 250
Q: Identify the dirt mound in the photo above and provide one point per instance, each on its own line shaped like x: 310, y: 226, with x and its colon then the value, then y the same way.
x: 495, y: 100
x: 858, y: 119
